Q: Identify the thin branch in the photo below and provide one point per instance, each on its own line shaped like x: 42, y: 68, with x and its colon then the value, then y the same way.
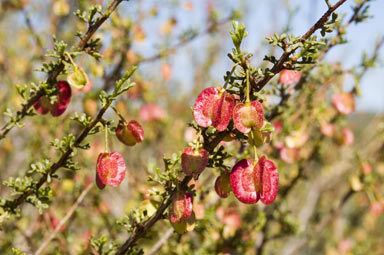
x: 280, y: 63
x: 141, y: 229
x: 331, y: 215
x: 161, y: 241
x: 284, y: 98
x: 183, y: 42
x: 82, y: 45
x: 61, y: 162
x: 70, y: 212
x: 162, y: 53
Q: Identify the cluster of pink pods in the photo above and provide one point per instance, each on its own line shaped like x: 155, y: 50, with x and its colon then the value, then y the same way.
x: 110, y: 167
x: 249, y: 181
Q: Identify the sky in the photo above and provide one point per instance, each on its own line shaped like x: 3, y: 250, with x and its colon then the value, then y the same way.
x: 261, y: 17
x: 259, y: 23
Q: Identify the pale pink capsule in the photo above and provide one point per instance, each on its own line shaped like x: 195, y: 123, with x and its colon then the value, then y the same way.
x: 289, y: 76
x: 110, y: 169
x: 213, y: 107
x: 344, y: 103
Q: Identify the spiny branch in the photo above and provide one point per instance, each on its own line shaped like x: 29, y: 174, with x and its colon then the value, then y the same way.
x: 82, y: 45
x: 280, y: 63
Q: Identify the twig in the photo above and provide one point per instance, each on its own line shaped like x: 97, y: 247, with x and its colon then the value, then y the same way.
x: 12, y: 205
x: 35, y: 36
x: 60, y: 163
x: 142, y: 228
x: 280, y: 63
x: 161, y: 242
x: 284, y: 98
x: 180, y: 44
x: 70, y: 212
x: 82, y: 45
x: 331, y: 215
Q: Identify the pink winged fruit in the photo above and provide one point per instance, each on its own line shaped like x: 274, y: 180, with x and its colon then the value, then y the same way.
x: 130, y: 133
x: 213, y: 107
x: 248, y: 116
x: 44, y: 105
x: 193, y: 162
x: 223, y: 185
x: 110, y: 169
x: 253, y: 182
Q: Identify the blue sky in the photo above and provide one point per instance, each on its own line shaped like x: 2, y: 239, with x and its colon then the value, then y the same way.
x: 258, y: 19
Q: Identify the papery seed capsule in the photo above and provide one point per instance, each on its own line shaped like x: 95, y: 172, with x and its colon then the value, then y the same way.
x: 213, y: 107
x: 131, y: 133
x: 242, y: 182
x: 110, y: 169
x: 193, y: 162
x: 181, y: 207
x: 266, y: 179
x: 344, y: 103
x: 247, y: 117
x: 289, y: 76
x: 151, y: 112
x: 223, y: 185
x: 44, y: 105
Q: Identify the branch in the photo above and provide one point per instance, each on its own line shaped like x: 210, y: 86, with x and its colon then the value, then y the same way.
x: 162, y: 53
x: 140, y: 230
x: 275, y: 112
x: 11, y: 205
x: 183, y: 42
x: 70, y: 212
x: 161, y: 242
x: 331, y: 215
x: 82, y: 45
x: 280, y: 63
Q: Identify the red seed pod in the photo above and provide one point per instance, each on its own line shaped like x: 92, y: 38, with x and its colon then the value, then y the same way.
x: 344, y: 103
x: 223, y: 185
x: 185, y: 224
x: 181, y: 207
x: 266, y: 178
x: 43, y: 105
x: 242, y: 182
x: 213, y: 107
x: 194, y: 162
x: 131, y: 133
x: 110, y: 169
x: 289, y: 76
x: 246, y: 117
